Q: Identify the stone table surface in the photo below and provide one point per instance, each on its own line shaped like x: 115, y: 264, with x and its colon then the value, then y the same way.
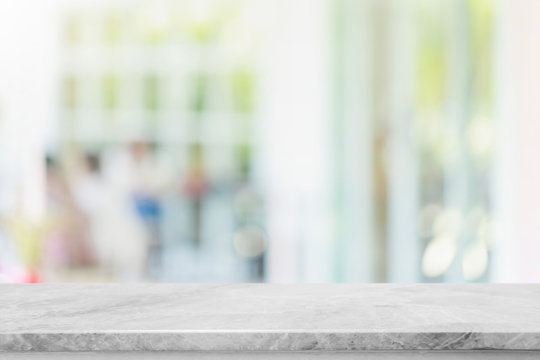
x: 264, y: 317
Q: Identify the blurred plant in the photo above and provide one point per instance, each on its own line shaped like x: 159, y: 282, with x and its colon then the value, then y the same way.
x: 27, y: 238
x: 480, y: 130
x: 154, y: 21
x: 70, y: 91
x: 480, y: 51
x: 151, y: 92
x: 200, y: 92
x: 243, y: 90
x: 202, y: 21
x: 243, y: 159
x: 432, y: 55
x: 72, y: 29
x: 112, y: 28
x: 109, y: 84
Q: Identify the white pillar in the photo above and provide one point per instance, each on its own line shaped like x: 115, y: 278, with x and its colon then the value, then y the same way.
x: 404, y: 253
x: 295, y: 142
x: 353, y: 146
x: 27, y: 93
x: 518, y: 191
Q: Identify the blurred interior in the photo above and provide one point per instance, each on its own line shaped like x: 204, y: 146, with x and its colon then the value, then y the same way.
x: 270, y: 140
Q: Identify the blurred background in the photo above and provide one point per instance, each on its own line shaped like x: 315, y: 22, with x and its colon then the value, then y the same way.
x: 270, y: 140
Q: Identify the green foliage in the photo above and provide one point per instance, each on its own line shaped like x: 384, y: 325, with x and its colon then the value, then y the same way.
x: 113, y: 29
x: 243, y: 90
x: 151, y: 92
x: 70, y: 91
x: 200, y: 93
x: 109, y: 85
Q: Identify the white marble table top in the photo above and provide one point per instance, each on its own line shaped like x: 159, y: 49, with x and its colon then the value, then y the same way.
x: 262, y: 317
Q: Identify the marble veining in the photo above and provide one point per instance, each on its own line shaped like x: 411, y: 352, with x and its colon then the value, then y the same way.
x: 264, y: 317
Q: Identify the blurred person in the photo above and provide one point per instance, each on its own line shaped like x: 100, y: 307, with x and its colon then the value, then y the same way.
x: 47, y: 244
x: 146, y: 198
x: 136, y: 181
x: 88, y: 192
x: 66, y: 242
x: 195, y: 187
